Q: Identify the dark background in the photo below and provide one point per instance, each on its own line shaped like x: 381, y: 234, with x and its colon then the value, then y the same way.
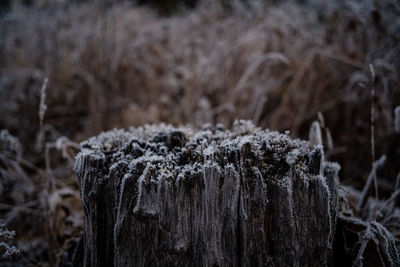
x: 127, y: 63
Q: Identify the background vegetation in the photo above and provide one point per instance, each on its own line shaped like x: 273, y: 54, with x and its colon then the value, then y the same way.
x: 281, y: 64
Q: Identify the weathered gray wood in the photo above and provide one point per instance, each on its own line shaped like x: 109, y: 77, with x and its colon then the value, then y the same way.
x: 164, y: 196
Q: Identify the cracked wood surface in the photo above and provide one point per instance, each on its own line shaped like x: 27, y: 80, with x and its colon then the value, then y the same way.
x: 165, y: 196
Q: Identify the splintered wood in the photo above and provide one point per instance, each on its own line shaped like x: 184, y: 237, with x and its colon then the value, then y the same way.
x: 165, y: 196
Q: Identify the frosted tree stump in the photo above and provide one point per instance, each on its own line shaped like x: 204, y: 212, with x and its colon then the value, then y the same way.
x: 164, y: 196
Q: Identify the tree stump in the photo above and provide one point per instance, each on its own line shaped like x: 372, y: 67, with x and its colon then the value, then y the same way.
x: 165, y: 196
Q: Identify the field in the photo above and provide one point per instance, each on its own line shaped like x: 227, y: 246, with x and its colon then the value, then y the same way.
x: 69, y: 71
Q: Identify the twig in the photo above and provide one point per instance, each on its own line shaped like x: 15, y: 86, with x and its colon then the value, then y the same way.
x: 371, y: 68
x: 49, y: 188
x: 388, y: 203
x: 48, y: 175
x: 42, y: 112
x: 392, y: 198
x: 397, y: 119
x: 329, y: 140
x: 20, y: 209
x: 397, y: 182
x: 315, y: 136
x: 342, y: 58
x: 377, y: 164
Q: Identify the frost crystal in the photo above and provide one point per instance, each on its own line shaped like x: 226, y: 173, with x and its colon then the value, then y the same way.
x: 5, y: 234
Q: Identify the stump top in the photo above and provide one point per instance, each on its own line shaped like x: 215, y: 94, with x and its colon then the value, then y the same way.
x: 175, y: 150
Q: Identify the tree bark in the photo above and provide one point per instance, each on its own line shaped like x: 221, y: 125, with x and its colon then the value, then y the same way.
x: 164, y: 196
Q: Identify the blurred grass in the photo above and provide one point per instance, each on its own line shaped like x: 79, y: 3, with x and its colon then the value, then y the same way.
x: 277, y: 63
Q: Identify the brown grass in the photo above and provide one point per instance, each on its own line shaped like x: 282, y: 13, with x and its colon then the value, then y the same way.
x: 276, y: 64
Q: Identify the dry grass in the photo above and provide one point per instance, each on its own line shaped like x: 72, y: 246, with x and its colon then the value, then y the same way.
x: 276, y: 64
